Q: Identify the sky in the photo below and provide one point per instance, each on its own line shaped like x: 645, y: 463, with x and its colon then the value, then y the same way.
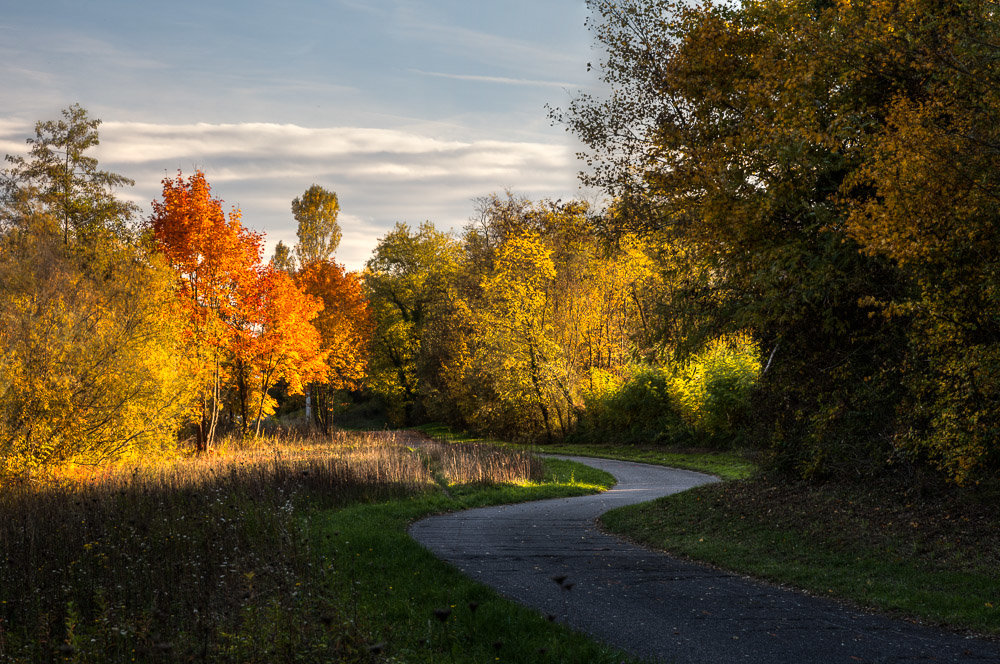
x: 408, y: 109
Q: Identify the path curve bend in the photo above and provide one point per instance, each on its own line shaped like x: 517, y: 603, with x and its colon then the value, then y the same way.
x: 658, y: 607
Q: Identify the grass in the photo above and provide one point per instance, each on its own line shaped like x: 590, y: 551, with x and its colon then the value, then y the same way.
x: 284, y: 550
x: 726, y: 465
x: 422, y: 610
x: 935, y: 560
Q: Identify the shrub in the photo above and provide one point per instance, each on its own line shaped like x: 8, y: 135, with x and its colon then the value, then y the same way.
x: 636, y: 409
x: 702, y: 400
x: 712, y: 389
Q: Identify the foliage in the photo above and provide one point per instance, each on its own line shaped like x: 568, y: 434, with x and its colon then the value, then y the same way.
x: 635, y: 410
x: 91, y: 365
x: 249, y: 325
x: 712, y: 389
x: 514, y: 345
x: 703, y: 400
x: 345, y: 329
x: 318, y: 231
x: 408, y: 285
x: 934, y: 178
x: 824, y: 170
x: 214, y: 258
x: 58, y: 179
x: 283, y: 259
x: 278, y: 342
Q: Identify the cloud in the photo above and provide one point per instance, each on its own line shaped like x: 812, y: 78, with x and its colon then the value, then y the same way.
x: 497, y: 79
x: 380, y: 175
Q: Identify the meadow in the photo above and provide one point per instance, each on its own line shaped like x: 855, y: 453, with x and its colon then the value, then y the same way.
x: 280, y: 549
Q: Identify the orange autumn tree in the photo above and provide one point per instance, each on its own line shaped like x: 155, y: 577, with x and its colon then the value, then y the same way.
x: 245, y: 326
x: 284, y: 344
x: 346, y: 328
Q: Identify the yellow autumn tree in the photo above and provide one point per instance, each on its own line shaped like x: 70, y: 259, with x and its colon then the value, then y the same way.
x: 514, y: 344
x: 93, y: 367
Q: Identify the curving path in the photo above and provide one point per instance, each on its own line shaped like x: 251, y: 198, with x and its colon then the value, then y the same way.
x: 658, y: 607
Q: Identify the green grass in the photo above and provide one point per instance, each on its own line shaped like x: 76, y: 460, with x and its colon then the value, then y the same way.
x: 726, y: 465
x: 412, y: 607
x: 937, y: 563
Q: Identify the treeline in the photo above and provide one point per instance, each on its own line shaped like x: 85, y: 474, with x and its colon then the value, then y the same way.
x: 536, y: 325
x: 802, y: 248
x: 832, y: 171
x: 121, y: 335
x: 800, y: 258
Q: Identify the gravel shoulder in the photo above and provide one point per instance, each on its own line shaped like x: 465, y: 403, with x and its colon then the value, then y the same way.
x: 659, y: 607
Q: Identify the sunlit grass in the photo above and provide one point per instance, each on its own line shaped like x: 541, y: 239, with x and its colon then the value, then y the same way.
x: 216, y: 558
x: 728, y: 465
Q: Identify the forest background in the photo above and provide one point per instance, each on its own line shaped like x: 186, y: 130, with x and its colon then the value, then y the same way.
x: 798, y: 259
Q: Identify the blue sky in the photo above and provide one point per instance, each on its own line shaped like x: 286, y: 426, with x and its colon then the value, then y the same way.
x: 408, y: 109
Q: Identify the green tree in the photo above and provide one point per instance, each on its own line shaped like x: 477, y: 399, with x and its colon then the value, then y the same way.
x: 934, y: 180
x: 408, y: 283
x: 728, y: 135
x: 57, y: 177
x: 283, y: 259
x: 318, y: 232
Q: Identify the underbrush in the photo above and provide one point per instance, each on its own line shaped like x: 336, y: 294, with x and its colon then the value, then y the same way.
x: 217, y: 558
x: 701, y: 401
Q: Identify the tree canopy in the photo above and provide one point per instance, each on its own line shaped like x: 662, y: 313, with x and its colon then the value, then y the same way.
x: 318, y: 231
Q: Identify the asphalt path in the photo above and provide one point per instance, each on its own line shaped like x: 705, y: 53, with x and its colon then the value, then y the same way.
x: 658, y: 607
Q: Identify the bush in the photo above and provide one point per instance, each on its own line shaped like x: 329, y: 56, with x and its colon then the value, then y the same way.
x: 700, y: 401
x: 712, y: 389
x: 637, y: 409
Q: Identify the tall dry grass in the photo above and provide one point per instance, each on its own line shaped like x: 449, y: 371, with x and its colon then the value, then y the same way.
x: 207, y: 558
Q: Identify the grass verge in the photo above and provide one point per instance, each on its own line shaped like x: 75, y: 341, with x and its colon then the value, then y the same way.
x: 933, y: 560
x: 726, y: 465
x: 415, y: 608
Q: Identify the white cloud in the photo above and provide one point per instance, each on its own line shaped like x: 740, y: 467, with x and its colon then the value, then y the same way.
x: 503, y: 80
x: 380, y: 175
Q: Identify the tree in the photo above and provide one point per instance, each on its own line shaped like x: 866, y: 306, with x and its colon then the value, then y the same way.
x: 58, y: 178
x: 729, y: 134
x: 283, y: 258
x: 345, y: 327
x: 215, y: 259
x: 932, y: 175
x: 92, y: 367
x: 515, y: 345
x: 281, y: 344
x: 407, y: 282
x: 318, y: 232
x: 550, y: 300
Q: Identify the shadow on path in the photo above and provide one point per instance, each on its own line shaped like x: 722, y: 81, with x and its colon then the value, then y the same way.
x: 655, y: 606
